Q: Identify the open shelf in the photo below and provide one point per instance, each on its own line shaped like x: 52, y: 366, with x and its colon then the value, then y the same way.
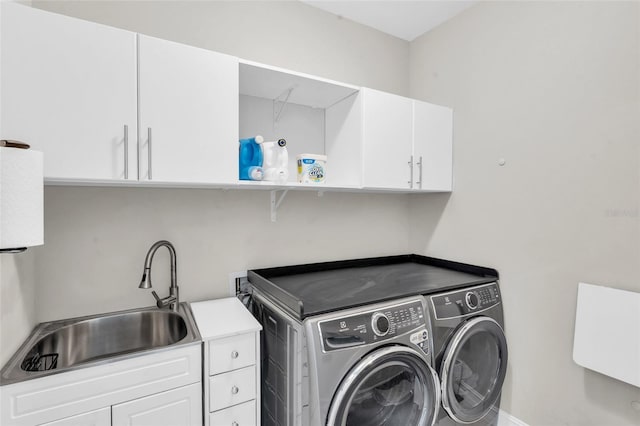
x: 314, y: 115
x: 273, y: 83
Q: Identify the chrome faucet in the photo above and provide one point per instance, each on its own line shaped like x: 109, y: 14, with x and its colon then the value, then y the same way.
x: 171, y: 300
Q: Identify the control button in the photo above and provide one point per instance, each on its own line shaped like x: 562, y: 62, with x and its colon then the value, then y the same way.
x: 380, y: 324
x: 472, y: 300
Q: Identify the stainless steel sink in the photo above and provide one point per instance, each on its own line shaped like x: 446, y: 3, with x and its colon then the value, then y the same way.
x: 59, y: 346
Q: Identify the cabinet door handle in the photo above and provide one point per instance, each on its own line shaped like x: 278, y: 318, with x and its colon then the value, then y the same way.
x: 419, y: 182
x: 126, y: 151
x: 235, y: 390
x: 149, y: 155
x: 234, y: 354
x: 410, y: 172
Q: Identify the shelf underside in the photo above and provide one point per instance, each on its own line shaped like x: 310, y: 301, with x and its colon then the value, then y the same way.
x: 306, y: 90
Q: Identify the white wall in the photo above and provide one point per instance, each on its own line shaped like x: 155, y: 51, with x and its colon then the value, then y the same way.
x: 554, y: 89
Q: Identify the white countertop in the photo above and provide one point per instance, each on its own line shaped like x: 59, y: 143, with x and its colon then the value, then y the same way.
x: 223, y: 317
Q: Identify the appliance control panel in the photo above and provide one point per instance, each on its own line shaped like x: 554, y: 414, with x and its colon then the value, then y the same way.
x: 465, y: 302
x: 376, y: 326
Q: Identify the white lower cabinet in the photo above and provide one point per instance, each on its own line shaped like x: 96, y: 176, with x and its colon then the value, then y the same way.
x: 231, y: 366
x: 182, y: 406
x: 232, y: 388
x: 101, y: 417
x: 238, y: 415
x: 160, y: 388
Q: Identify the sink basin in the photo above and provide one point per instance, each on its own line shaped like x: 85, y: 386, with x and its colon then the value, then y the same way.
x: 103, y: 337
x: 64, y: 345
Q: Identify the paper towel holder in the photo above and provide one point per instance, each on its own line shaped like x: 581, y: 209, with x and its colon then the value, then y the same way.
x: 8, y: 143
x: 16, y: 250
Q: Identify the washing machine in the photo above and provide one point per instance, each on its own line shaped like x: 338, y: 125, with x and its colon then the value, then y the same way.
x: 369, y: 365
x: 470, y: 353
x: 351, y: 343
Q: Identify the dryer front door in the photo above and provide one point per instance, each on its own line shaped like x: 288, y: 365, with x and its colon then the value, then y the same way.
x: 473, y: 369
x: 391, y: 386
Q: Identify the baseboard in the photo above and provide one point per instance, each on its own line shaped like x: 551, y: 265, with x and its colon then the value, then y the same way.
x: 506, y: 419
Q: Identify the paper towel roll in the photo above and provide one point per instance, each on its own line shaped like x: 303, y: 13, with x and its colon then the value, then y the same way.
x: 21, y: 198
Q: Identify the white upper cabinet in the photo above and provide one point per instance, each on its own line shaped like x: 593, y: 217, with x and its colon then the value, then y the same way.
x: 387, y: 140
x: 108, y: 106
x: 407, y: 143
x: 188, y: 111
x: 69, y: 90
x: 432, y: 146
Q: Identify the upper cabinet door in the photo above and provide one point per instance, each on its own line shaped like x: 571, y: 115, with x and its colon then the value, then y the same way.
x: 69, y: 90
x: 387, y: 141
x: 432, y: 147
x: 188, y: 110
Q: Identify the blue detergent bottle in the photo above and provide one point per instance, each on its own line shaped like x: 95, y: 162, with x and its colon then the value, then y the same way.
x: 250, y: 158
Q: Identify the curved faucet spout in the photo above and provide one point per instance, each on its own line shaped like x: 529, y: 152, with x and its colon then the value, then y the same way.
x: 172, y: 300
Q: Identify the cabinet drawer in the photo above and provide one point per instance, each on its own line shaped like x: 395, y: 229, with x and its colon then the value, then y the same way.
x: 232, y: 388
x: 238, y: 415
x: 232, y: 353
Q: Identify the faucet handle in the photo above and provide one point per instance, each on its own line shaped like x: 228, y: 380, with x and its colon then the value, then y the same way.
x: 162, y: 303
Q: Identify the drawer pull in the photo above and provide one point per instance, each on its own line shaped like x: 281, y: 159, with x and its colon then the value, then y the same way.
x: 235, y: 390
x: 234, y: 354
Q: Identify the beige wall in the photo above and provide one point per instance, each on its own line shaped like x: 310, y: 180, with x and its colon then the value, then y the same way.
x: 97, y: 238
x: 17, y: 301
x: 554, y: 89
x: 288, y: 34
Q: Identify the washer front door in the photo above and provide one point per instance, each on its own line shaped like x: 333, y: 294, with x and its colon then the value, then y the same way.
x: 473, y: 369
x: 389, y: 387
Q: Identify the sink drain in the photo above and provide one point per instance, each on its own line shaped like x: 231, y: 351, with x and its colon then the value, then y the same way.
x: 40, y: 362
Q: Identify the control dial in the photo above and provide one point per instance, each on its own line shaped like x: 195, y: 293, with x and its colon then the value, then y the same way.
x: 380, y: 324
x: 472, y: 300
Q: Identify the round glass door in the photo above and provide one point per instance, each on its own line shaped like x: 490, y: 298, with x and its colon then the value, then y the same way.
x: 473, y: 369
x: 391, y: 386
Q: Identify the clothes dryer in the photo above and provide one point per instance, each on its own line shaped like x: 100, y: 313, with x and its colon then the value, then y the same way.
x: 471, y: 353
